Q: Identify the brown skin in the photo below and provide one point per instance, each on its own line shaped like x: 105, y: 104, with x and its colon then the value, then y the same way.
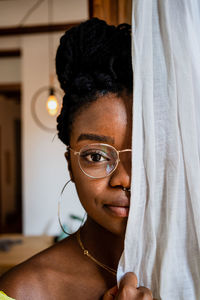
x: 128, y: 290
x: 62, y: 271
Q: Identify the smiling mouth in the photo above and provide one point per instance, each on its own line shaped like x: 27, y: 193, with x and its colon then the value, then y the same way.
x: 117, y: 211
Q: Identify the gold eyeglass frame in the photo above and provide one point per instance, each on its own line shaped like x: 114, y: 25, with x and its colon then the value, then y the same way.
x: 107, y: 145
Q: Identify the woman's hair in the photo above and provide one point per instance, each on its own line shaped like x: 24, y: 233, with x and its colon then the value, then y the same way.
x: 93, y: 59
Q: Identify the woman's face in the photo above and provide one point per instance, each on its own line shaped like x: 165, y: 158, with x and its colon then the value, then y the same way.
x: 107, y: 120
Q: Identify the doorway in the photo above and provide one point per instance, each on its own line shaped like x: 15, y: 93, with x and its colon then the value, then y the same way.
x: 10, y: 160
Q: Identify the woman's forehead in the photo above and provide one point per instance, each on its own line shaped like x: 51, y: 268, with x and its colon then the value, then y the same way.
x: 104, y: 120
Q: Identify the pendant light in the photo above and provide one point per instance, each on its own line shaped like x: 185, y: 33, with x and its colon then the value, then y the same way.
x: 46, y: 102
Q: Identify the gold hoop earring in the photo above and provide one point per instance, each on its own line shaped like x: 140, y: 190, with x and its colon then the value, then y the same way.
x: 72, y: 216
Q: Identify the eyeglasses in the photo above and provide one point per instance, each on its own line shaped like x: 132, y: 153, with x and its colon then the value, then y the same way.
x: 98, y: 160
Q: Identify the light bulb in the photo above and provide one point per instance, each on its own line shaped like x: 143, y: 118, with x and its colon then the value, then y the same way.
x: 52, y: 105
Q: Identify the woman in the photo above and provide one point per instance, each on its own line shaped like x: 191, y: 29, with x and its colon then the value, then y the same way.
x: 93, y: 65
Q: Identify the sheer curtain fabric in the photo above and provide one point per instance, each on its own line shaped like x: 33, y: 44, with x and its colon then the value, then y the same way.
x: 163, y: 232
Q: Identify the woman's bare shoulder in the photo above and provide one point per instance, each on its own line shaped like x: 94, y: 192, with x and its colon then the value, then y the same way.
x: 20, y: 280
x: 42, y: 274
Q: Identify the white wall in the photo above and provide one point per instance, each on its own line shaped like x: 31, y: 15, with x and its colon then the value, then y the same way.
x: 44, y: 167
x: 10, y: 70
x: 13, y: 11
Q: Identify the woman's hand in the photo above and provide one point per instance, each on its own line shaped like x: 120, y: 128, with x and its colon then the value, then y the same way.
x: 128, y: 290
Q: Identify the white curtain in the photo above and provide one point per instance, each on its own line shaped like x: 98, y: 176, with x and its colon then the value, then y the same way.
x: 163, y: 232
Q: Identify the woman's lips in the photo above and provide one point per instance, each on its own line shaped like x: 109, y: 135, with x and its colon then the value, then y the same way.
x: 118, y: 211
x: 118, y: 207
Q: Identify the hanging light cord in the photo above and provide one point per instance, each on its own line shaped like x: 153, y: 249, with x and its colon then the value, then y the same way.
x: 86, y: 252
x: 50, y: 44
x: 50, y: 38
x: 30, y: 11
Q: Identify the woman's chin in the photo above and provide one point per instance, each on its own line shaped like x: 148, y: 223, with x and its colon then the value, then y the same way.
x: 118, y: 227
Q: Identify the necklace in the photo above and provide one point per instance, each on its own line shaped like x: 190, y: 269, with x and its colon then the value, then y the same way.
x: 86, y: 252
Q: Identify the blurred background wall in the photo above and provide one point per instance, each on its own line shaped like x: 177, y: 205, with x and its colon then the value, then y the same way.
x: 33, y: 170
x: 44, y: 170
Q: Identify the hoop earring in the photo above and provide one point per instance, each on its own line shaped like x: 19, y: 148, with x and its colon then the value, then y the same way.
x: 59, y: 209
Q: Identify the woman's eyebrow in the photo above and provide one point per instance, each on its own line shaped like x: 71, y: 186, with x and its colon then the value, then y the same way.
x: 95, y: 137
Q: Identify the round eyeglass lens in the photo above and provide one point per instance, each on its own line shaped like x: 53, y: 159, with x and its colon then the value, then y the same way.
x: 98, y: 160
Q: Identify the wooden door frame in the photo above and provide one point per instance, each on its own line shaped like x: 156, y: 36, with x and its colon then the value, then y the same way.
x: 0, y: 179
x: 114, y: 12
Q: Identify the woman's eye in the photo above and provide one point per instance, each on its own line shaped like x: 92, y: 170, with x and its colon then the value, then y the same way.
x: 95, y: 157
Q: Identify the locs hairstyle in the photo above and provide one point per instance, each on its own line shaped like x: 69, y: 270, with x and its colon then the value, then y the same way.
x: 93, y: 59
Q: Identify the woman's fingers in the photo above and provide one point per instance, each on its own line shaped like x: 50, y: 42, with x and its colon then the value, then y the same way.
x: 128, y: 289
x: 129, y: 279
x: 111, y: 293
x: 145, y: 291
x: 147, y: 294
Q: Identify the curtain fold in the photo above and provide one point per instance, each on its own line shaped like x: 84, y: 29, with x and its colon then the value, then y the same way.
x: 163, y: 232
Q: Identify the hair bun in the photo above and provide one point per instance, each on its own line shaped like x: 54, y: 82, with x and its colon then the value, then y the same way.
x: 92, y: 59
x: 89, y: 47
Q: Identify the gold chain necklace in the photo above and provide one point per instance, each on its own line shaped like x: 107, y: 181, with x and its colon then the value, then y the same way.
x: 86, y: 252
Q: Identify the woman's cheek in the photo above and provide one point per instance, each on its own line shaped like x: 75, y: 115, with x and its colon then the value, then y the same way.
x: 91, y: 192
x: 87, y: 190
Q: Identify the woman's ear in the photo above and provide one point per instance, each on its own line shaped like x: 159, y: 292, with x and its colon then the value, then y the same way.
x: 67, y: 156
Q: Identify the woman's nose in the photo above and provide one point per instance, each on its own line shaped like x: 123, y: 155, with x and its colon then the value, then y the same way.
x: 122, y: 175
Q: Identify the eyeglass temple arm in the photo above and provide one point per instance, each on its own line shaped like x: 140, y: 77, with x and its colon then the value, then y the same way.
x: 125, y: 150
x: 75, y: 152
